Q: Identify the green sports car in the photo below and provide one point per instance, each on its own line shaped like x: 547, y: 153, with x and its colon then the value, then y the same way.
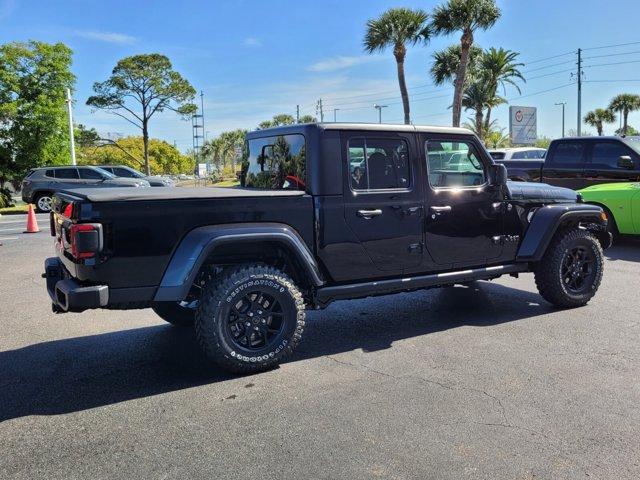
x: 621, y: 203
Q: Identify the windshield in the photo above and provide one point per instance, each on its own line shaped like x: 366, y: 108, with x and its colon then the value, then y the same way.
x: 633, y: 142
x: 133, y: 171
x: 105, y: 173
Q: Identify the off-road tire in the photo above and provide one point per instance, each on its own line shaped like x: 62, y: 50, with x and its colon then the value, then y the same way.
x: 549, y: 278
x: 213, y: 316
x: 175, y: 314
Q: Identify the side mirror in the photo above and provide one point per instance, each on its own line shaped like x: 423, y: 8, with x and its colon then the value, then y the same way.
x: 625, y: 162
x: 498, y: 175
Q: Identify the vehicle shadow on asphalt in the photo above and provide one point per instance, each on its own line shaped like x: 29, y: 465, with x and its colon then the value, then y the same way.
x: 624, y: 248
x: 76, y: 374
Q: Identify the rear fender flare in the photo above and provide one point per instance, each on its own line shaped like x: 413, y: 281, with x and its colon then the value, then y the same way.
x: 201, y: 242
x: 546, y: 221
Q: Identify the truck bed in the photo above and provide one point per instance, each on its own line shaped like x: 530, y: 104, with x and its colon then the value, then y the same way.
x: 173, y: 193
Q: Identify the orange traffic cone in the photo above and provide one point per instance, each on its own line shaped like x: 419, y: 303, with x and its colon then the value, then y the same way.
x: 32, y: 221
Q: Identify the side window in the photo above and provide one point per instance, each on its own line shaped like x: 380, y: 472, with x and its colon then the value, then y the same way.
x: 108, y: 169
x: 49, y: 173
x: 378, y: 163
x: 453, y: 164
x: 568, y: 154
x: 121, y: 172
x: 275, y: 163
x: 521, y: 155
x: 607, y: 154
x: 67, y: 173
x: 90, y: 174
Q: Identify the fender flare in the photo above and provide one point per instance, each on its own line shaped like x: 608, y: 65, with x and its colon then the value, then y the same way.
x: 200, y: 242
x: 546, y: 221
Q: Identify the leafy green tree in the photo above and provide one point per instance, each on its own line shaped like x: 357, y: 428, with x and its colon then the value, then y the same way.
x: 498, y: 68
x: 163, y: 157
x: 630, y: 131
x: 85, y: 137
x: 141, y: 86
x: 397, y: 28
x: 464, y: 16
x: 222, y: 149
x: 496, y: 137
x: 598, y: 117
x: 277, y: 121
x: 543, y: 142
x: 307, y: 119
x: 478, y: 96
x: 34, y: 77
x: 447, y: 62
x: 625, y: 103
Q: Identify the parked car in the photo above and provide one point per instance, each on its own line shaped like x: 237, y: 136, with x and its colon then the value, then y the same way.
x: 123, y: 171
x: 621, y: 203
x: 517, y: 153
x: 580, y: 162
x: 40, y: 184
x: 243, y: 264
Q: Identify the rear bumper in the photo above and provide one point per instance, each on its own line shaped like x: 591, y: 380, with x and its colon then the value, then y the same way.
x: 67, y: 295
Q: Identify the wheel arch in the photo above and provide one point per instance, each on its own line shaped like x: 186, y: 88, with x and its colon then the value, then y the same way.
x: 549, y: 219
x: 234, y: 244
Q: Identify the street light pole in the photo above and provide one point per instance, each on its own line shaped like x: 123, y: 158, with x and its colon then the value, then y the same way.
x: 334, y: 115
x: 563, y: 104
x: 379, y: 108
x: 72, y: 143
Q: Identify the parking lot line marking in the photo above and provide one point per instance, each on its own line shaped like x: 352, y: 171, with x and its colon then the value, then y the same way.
x: 8, y: 238
x: 11, y: 229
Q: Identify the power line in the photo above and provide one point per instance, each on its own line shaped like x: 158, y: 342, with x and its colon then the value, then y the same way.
x: 549, y: 66
x: 612, y: 46
x: 550, y: 74
x: 540, y: 92
x: 611, y: 63
x: 612, y: 54
x: 549, y: 58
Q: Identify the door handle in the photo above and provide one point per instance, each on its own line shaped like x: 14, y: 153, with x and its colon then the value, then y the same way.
x: 440, y: 210
x: 369, y: 213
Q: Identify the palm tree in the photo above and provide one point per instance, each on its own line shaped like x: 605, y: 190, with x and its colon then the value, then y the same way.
x: 396, y: 28
x: 499, y: 68
x: 625, y: 103
x: 598, y: 117
x: 464, y: 16
x: 477, y: 97
x: 446, y: 63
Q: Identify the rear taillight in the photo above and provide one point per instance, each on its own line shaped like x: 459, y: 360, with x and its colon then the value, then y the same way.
x: 85, y: 239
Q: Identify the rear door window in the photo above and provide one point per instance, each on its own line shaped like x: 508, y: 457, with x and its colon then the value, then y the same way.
x: 569, y: 155
x: 378, y: 163
x: 90, y: 174
x: 67, y: 173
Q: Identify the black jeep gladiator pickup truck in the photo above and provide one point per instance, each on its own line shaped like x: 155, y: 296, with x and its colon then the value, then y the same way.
x: 325, y: 212
x: 578, y: 163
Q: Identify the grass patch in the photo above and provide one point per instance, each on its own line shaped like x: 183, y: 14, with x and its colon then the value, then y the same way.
x: 15, y: 210
x: 227, y: 183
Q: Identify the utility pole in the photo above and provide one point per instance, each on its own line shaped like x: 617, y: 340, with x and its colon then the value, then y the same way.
x: 334, y: 115
x: 72, y: 142
x: 379, y: 108
x: 297, y: 113
x: 563, y: 104
x: 579, y: 129
x: 319, y: 110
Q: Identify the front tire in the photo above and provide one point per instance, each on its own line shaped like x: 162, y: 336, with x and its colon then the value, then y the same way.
x: 571, y: 271
x: 250, y: 318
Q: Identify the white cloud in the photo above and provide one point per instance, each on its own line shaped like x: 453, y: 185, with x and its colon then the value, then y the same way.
x: 252, y: 42
x: 109, y: 37
x: 341, y: 62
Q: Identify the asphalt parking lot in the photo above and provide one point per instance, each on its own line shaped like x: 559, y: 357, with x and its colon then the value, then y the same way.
x: 486, y: 381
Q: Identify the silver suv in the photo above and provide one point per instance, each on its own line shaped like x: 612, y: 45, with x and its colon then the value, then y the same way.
x: 41, y: 183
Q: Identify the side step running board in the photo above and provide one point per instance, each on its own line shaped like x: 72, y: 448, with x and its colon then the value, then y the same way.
x: 326, y: 295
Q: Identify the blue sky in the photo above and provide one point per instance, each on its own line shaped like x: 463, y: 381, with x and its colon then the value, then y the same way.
x: 256, y: 58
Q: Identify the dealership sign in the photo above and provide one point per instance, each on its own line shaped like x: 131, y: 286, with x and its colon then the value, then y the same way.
x: 523, y: 127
